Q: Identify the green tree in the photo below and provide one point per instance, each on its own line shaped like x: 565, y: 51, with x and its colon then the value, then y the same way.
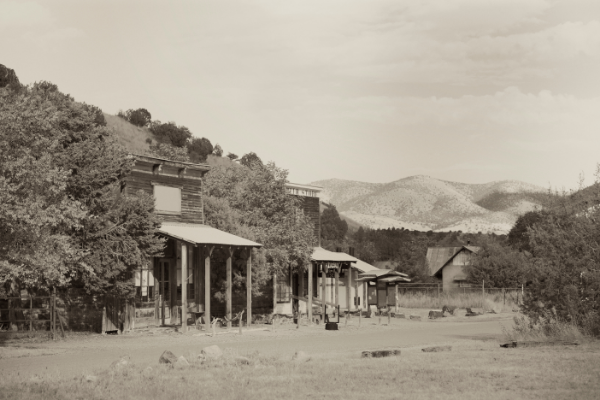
x: 169, y: 152
x: 232, y: 156
x: 332, y: 226
x: 218, y: 151
x: 251, y: 160
x: 199, y: 149
x: 170, y: 133
x: 60, y: 177
x: 254, y: 203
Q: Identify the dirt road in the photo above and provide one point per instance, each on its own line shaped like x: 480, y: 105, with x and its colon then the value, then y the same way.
x: 84, y: 355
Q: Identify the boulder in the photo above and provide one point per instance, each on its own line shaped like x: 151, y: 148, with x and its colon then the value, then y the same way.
x: 242, y: 360
x: 436, y: 349
x: 120, y: 363
x: 167, y: 358
x: 213, y: 352
x: 449, y: 309
x: 433, y: 314
x: 380, y: 353
x: 301, y: 356
x: 181, y: 362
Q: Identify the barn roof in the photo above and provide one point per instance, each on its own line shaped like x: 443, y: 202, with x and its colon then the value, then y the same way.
x: 438, y: 257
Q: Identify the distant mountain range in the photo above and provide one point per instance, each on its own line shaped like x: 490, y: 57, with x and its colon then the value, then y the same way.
x: 425, y: 203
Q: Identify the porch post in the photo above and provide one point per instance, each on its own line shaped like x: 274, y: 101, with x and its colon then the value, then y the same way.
x: 200, y: 280
x: 310, y: 292
x: 337, y: 287
x: 300, y: 289
x: 396, y: 293
x: 274, y: 293
x: 184, y: 279
x: 207, y: 254
x: 248, y: 287
x: 323, y: 292
x: 230, y: 251
x: 349, y: 287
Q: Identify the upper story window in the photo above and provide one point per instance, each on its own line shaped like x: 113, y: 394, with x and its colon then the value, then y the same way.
x: 167, y: 198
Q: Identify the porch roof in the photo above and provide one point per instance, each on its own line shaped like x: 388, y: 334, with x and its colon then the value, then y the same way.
x: 363, y: 266
x: 321, y: 255
x: 203, y: 234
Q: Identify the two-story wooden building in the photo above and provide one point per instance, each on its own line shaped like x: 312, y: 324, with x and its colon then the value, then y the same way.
x: 446, y: 264
x: 173, y: 288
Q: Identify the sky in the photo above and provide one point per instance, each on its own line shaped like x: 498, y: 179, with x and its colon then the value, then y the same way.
x: 470, y: 91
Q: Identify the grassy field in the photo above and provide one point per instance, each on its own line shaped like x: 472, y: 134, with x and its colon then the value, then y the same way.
x: 470, y: 371
x: 131, y: 137
x: 492, y: 301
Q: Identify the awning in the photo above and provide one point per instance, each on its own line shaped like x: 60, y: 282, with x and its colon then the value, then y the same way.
x: 203, y: 234
x: 321, y: 255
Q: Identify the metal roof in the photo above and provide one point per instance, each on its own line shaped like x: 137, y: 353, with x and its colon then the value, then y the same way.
x: 203, y: 234
x: 381, y: 272
x: 438, y: 257
x: 321, y: 255
x: 363, y: 266
x: 393, y: 279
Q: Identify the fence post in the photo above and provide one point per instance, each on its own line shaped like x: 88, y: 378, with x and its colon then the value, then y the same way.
x: 30, y: 313
x: 483, y: 294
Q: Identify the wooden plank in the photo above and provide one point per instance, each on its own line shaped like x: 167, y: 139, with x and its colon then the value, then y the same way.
x: 310, y: 293
x: 174, y: 266
x: 207, y: 253
x: 184, y: 279
x: 248, y: 287
x: 349, y: 288
x: 229, y: 284
x: 300, y: 289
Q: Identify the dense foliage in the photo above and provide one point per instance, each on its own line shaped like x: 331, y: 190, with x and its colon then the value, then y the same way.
x: 62, y: 214
x: 333, y: 228
x: 140, y: 117
x: 252, y: 202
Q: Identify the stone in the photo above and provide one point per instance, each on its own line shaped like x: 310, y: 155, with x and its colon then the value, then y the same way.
x: 380, y: 353
x: 242, y: 360
x: 301, y: 356
x: 213, y: 352
x: 181, y: 362
x: 415, y: 317
x: 120, y: 363
x: 449, y: 309
x: 436, y: 349
x: 167, y: 358
x: 91, y: 378
x: 434, y: 314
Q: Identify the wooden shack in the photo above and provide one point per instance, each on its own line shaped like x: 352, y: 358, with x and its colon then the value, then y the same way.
x: 176, y: 288
x: 446, y: 264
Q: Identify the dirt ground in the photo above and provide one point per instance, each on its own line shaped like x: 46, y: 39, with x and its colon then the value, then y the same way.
x: 87, y: 353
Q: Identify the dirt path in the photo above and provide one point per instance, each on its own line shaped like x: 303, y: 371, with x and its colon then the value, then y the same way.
x: 89, y: 353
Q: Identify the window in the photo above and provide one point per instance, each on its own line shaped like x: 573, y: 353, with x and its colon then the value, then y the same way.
x: 144, y: 284
x: 283, y: 288
x: 167, y: 198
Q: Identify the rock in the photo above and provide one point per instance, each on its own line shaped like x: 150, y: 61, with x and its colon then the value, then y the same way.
x: 436, y: 349
x: 242, y: 360
x: 433, y: 314
x: 380, y: 353
x: 415, y: 317
x: 449, y: 309
x: 213, y: 352
x: 120, y: 363
x: 301, y: 356
x: 181, y: 362
x: 167, y: 358
x: 91, y: 378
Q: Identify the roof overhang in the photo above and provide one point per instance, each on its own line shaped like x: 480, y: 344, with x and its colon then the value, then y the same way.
x: 321, y: 255
x: 198, y: 234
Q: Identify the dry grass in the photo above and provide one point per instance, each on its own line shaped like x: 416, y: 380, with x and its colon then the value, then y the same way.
x: 469, y: 371
x: 131, y: 137
x: 524, y: 329
x: 492, y: 301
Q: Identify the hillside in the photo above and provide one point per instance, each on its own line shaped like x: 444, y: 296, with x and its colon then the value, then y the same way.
x: 425, y: 203
x: 132, y: 137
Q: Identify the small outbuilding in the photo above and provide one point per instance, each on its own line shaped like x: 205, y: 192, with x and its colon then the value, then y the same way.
x: 446, y: 264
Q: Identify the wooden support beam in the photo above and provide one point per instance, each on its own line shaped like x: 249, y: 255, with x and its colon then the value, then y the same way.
x: 200, y: 279
x: 173, y: 283
x: 396, y: 297
x: 274, y: 293
x: 162, y: 290
x: 300, y: 290
x: 184, y: 279
x: 324, y: 292
x: 248, y: 287
x: 310, y: 293
x: 336, y: 300
x: 349, y: 287
x: 356, y: 295
x: 228, y: 297
x: 208, y: 250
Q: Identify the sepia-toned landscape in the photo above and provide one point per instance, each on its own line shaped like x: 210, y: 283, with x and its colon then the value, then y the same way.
x: 270, y: 200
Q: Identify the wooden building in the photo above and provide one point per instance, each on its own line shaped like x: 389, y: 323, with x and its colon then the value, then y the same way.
x: 174, y: 288
x: 446, y: 264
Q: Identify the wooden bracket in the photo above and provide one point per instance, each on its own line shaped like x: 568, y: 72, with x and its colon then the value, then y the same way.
x: 156, y: 169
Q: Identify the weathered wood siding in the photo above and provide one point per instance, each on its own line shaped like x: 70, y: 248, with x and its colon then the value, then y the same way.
x: 145, y: 175
x: 310, y: 206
